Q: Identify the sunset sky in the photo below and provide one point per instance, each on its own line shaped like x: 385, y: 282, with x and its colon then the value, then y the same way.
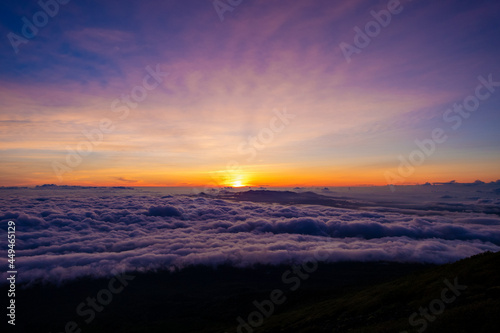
x: 265, y: 96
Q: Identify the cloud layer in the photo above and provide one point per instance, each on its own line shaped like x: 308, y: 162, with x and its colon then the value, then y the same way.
x: 65, y: 234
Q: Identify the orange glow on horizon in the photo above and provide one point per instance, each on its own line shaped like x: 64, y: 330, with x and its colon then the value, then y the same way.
x: 252, y: 176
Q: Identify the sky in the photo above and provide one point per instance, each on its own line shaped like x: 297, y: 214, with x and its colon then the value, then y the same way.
x: 261, y: 93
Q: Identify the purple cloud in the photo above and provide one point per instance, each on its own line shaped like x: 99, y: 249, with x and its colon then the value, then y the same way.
x: 91, y: 232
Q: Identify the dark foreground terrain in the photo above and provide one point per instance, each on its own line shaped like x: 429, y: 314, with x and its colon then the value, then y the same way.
x: 342, y: 297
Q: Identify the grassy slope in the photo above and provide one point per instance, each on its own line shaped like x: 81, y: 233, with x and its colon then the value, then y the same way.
x: 196, y: 299
x: 343, y: 297
x: 386, y: 307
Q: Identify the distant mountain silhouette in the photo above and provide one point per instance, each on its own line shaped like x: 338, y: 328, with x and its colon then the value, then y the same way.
x: 290, y: 198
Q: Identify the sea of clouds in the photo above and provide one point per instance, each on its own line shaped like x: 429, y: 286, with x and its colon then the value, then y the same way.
x: 66, y: 234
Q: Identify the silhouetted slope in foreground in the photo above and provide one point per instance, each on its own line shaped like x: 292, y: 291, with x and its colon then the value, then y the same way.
x: 340, y: 297
x: 387, y: 307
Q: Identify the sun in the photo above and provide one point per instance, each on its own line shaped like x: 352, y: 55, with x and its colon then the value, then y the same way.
x: 237, y: 183
x: 231, y: 178
x: 237, y: 180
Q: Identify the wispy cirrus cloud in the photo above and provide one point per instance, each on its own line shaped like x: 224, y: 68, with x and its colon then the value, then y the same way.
x: 225, y: 79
